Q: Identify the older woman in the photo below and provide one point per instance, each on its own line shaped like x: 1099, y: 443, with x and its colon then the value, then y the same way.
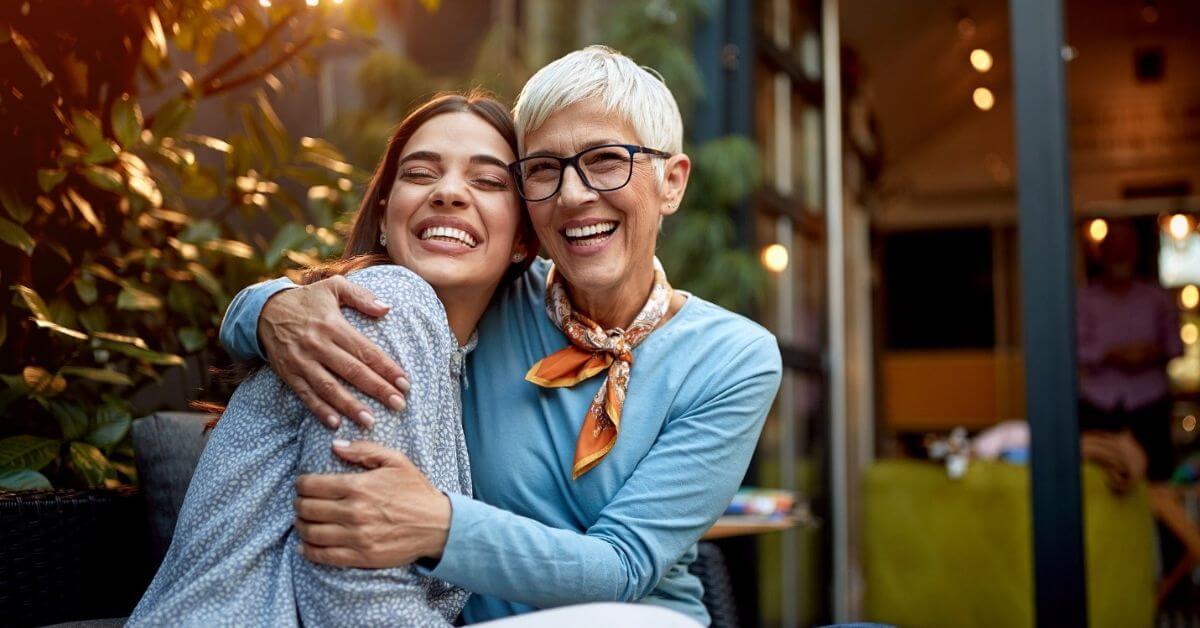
x: 609, y: 418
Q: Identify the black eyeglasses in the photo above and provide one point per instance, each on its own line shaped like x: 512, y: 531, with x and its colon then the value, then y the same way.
x: 601, y: 168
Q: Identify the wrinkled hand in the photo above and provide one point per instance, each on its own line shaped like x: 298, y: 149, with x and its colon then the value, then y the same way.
x: 308, y: 340
x: 388, y: 516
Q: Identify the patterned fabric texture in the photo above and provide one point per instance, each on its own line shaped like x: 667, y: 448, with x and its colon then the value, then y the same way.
x: 593, y: 350
x: 234, y: 560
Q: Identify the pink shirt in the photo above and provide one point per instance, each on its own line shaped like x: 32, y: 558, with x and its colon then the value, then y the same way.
x: 1106, y: 320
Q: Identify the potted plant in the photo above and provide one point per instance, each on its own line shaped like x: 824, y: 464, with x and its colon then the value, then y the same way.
x: 123, y: 231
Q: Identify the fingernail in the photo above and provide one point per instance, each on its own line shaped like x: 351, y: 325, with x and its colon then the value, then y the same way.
x: 333, y: 420
x: 397, y: 403
x: 341, y: 443
x: 366, y: 418
x: 403, y: 384
x: 383, y: 304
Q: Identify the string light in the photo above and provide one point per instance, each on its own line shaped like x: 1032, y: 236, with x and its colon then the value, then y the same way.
x: 775, y: 257
x: 1190, y: 296
x: 1098, y: 230
x: 981, y: 59
x: 984, y: 98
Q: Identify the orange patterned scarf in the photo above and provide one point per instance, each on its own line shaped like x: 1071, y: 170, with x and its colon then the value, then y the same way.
x: 594, y: 349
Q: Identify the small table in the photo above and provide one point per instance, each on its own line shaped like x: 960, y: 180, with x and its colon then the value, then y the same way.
x: 745, y: 525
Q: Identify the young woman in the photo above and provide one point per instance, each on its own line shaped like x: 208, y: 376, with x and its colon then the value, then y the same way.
x: 440, y: 228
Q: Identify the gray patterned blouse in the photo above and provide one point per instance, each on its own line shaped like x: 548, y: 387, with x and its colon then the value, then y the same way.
x: 233, y: 560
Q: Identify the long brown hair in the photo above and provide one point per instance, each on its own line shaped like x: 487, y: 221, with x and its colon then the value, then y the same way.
x: 362, y: 245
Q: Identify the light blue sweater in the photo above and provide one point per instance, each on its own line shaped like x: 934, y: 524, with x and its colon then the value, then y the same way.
x: 700, y: 388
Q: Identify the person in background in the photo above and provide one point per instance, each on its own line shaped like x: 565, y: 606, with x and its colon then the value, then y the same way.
x: 1128, y: 330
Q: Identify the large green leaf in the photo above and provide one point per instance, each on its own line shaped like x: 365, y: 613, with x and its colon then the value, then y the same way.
x: 60, y: 329
x: 15, y: 206
x: 33, y: 302
x: 88, y: 129
x: 104, y: 376
x: 71, y: 419
x: 192, y: 339
x: 153, y: 357
x: 112, y: 423
x: 22, y: 480
x: 135, y: 298
x: 90, y: 463
x: 104, y: 178
x: 48, y: 179
x: 200, y: 232
x: 27, y: 452
x: 170, y: 119
x: 292, y: 235
x: 14, y: 234
x: 85, y: 287
x: 127, y: 121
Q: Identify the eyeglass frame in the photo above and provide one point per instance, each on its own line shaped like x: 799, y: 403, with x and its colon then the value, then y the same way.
x: 515, y: 168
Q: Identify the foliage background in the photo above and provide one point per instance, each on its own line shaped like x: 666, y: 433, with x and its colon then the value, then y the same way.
x: 125, y: 230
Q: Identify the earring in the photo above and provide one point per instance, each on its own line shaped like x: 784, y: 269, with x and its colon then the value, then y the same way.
x: 518, y: 257
x: 382, y: 239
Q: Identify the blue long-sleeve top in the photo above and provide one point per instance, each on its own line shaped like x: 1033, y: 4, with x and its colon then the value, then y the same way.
x: 700, y: 388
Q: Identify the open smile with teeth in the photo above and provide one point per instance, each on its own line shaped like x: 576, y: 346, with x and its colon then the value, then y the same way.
x: 448, y: 234
x: 590, y: 235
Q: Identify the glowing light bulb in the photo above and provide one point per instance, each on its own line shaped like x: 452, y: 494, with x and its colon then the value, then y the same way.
x: 266, y: 4
x: 1189, y: 333
x: 1179, y: 226
x: 1189, y: 422
x: 775, y: 257
x: 1098, y: 230
x: 981, y: 59
x: 313, y: 3
x: 1190, y: 296
x: 984, y: 98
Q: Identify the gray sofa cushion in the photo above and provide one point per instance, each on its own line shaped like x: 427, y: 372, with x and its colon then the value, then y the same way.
x: 168, y: 446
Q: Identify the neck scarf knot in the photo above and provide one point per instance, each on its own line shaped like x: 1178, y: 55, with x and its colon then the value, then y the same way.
x: 593, y: 350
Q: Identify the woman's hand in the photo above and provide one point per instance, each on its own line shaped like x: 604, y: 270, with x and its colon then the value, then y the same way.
x: 388, y: 516
x: 308, y: 340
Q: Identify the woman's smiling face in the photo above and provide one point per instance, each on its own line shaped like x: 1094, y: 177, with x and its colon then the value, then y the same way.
x: 597, y: 239
x: 453, y: 213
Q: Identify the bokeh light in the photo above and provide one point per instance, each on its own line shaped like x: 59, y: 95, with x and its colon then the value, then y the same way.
x: 981, y: 59
x: 1189, y: 333
x: 775, y: 257
x: 1189, y: 296
x: 984, y: 98
x: 1098, y: 230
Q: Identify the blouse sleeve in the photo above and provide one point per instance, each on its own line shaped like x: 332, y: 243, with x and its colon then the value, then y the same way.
x: 674, y: 495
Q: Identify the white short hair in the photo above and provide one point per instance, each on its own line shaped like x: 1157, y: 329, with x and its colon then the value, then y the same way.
x: 636, y: 93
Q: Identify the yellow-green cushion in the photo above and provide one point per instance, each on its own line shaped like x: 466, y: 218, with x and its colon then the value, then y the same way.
x: 942, y: 552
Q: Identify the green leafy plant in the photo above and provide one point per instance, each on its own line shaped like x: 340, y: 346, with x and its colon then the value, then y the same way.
x: 124, y: 231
